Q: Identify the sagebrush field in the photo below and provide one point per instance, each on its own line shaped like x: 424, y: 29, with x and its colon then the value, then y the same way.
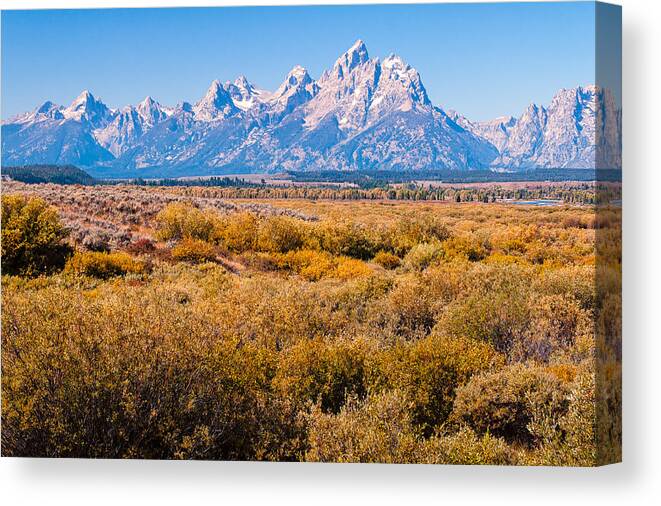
x: 151, y: 322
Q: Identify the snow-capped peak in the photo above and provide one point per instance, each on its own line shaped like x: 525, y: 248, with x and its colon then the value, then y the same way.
x: 354, y: 56
x: 87, y: 108
x: 50, y: 110
x: 297, y: 88
x: 216, y: 104
x: 396, y: 69
x: 151, y: 111
x: 243, y: 83
x: 393, y: 61
x: 297, y: 76
x: 83, y: 99
x: 244, y: 94
x: 362, y: 114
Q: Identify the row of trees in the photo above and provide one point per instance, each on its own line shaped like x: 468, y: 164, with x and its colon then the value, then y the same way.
x: 582, y: 193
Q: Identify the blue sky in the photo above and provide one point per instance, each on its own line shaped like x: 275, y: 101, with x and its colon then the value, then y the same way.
x: 484, y: 60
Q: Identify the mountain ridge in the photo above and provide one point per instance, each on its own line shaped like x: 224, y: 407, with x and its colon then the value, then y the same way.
x: 363, y: 113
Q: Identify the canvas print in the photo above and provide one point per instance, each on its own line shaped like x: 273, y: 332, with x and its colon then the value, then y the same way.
x: 357, y: 233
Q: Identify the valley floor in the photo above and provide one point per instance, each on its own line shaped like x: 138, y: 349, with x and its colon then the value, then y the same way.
x: 196, y: 323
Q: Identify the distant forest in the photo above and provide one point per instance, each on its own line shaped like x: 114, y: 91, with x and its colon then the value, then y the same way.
x: 58, y: 174
x: 379, y: 178
x: 371, y: 185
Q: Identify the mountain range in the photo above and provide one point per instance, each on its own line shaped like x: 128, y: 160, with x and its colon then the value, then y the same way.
x: 362, y: 113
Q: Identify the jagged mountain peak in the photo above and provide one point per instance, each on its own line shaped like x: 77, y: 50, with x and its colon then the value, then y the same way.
x: 84, y: 102
x: 242, y: 82
x: 245, y: 95
x: 46, y: 107
x: 216, y: 104
x: 363, y: 113
x: 297, y: 88
x: 297, y: 76
x: 85, y: 97
x: 151, y: 111
x: 355, y: 56
x: 395, y: 68
x: 90, y: 109
x: 48, y: 110
x: 184, y: 107
x: 148, y: 102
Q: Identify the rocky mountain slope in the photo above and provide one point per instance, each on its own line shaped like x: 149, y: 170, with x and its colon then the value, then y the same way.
x: 362, y: 113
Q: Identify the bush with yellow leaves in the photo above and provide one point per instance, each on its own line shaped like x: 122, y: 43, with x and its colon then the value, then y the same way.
x: 183, y: 221
x: 32, y: 237
x: 194, y: 250
x: 104, y: 265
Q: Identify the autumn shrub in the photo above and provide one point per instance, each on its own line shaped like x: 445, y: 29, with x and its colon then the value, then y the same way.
x: 279, y: 234
x: 350, y: 268
x: 410, y: 309
x: 415, y: 302
x: 317, y: 372
x: 575, y: 281
x: 344, y: 239
x: 105, y: 265
x: 32, y: 237
x: 430, y: 370
x: 377, y: 429
x: 423, y: 255
x: 274, y: 312
x: 129, y: 374
x: 96, y: 241
x: 410, y: 230
x: 465, y: 247
x: 311, y: 264
x: 503, y: 402
x: 387, y: 260
x: 572, y: 438
x: 608, y: 327
x: 574, y: 222
x: 357, y: 303
x: 194, y: 250
x: 178, y: 221
x: 142, y: 246
x: 465, y: 447
x: 500, y: 317
x: 556, y: 322
x: 380, y: 429
x: 303, y: 339
x: 537, y: 252
x: 238, y: 232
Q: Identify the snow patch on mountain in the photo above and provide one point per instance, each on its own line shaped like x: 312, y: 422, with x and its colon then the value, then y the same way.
x: 362, y: 113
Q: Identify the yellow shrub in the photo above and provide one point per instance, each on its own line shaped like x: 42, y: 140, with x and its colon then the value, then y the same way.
x: 312, y: 265
x: 178, y: 221
x: 467, y: 448
x: 423, y: 255
x: 105, y: 265
x: 32, y: 237
x: 344, y: 238
x: 465, y: 247
x: 239, y: 232
x: 194, y: 250
x: 377, y: 429
x: 431, y: 369
x: 350, y: 268
x: 501, y: 258
x: 313, y: 371
x: 505, y: 402
x: 279, y: 234
x: 386, y: 260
